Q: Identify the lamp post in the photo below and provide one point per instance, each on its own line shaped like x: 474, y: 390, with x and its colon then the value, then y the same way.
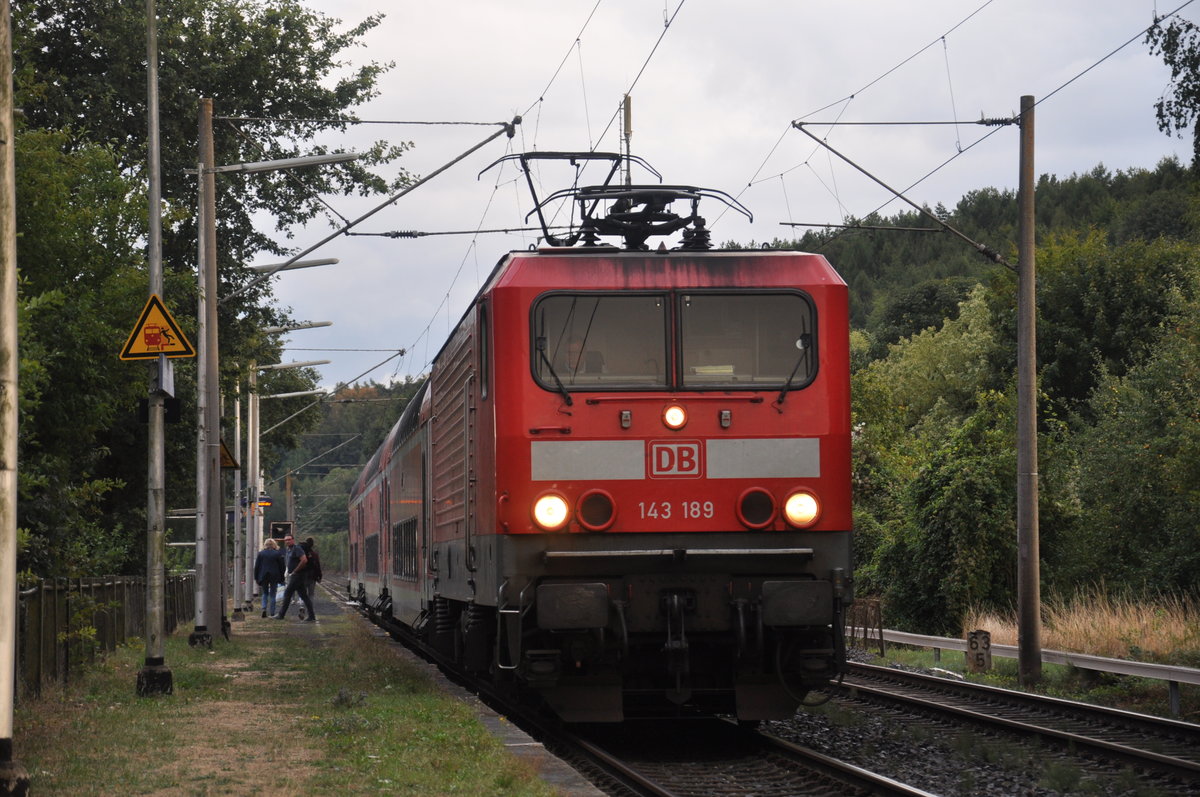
x: 13, y: 774
x: 254, y: 469
x: 245, y: 541
x: 210, y: 601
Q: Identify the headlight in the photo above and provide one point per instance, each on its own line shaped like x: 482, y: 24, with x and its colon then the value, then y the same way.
x: 674, y: 417
x: 596, y: 510
x: 802, y: 509
x: 756, y: 508
x: 551, y: 512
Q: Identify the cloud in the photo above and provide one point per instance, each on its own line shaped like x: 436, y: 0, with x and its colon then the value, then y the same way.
x: 712, y: 107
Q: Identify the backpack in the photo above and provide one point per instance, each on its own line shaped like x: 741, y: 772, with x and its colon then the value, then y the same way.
x: 314, y: 562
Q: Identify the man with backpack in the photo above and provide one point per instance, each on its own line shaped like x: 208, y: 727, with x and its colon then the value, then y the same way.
x: 313, y: 571
x: 297, y: 579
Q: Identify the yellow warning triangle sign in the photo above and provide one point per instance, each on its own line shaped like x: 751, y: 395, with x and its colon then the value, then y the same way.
x: 156, y: 333
x: 227, y: 460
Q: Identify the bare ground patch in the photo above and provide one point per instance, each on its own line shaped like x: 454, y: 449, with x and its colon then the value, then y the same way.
x: 239, y: 747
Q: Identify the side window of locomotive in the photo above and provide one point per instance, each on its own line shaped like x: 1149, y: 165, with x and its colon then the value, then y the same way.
x: 484, y: 351
x: 598, y: 341
x: 755, y: 340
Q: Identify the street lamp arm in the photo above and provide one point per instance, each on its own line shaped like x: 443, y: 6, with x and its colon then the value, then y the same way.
x: 298, y: 364
x: 294, y: 327
x: 273, y: 267
x: 286, y: 163
x: 294, y: 395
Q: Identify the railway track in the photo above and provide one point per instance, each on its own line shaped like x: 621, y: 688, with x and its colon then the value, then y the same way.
x: 712, y: 758
x: 700, y: 757
x: 1163, y: 747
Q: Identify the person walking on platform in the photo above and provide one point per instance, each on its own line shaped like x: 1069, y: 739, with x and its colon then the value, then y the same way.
x: 268, y: 573
x: 296, y: 561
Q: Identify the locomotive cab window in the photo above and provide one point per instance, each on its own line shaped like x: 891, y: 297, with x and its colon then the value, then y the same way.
x: 602, y: 341
x: 599, y: 341
x: 755, y: 340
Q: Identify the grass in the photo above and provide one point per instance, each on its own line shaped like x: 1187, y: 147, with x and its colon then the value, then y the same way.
x: 1165, y: 631
x: 267, y: 712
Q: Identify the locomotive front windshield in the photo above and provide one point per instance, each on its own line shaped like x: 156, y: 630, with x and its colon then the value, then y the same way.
x: 728, y: 341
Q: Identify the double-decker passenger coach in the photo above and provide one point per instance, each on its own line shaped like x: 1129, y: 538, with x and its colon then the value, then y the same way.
x: 625, y: 486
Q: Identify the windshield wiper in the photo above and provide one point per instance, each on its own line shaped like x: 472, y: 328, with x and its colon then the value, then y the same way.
x: 803, y: 358
x: 541, y: 348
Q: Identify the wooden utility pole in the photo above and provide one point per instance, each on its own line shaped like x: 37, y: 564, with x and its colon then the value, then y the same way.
x: 14, y: 779
x: 1029, y: 618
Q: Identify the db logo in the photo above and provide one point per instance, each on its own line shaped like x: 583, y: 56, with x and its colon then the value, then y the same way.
x: 676, y: 459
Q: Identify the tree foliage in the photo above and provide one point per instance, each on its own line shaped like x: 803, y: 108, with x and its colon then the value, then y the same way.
x: 958, y: 549
x: 327, y: 461
x: 1178, y: 43
x: 78, y: 274
x: 1139, y: 476
x: 80, y: 78
x: 933, y: 385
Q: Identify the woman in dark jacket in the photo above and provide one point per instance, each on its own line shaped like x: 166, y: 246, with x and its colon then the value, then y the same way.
x: 268, y: 573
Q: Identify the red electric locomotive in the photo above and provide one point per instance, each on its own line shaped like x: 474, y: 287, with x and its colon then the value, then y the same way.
x: 625, y: 485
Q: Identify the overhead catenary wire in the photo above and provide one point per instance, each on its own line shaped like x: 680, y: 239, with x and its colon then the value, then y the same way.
x: 950, y: 87
x: 314, y: 459
x: 666, y: 27
x: 506, y: 127
x: 961, y: 150
x: 339, y: 121
x: 561, y: 64
x: 425, y: 234
x: 331, y: 393
x: 854, y: 95
x: 983, y: 249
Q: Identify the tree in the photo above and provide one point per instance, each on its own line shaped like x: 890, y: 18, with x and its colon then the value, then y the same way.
x: 1178, y: 42
x: 80, y: 78
x: 905, y: 408
x: 925, y: 305
x: 1095, y: 303
x: 1140, y: 466
x: 327, y: 463
x: 959, y: 548
x: 932, y: 378
x: 80, y: 68
x: 81, y: 220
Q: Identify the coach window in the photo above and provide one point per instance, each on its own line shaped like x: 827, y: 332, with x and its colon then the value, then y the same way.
x: 755, y: 340
x: 600, y: 341
x: 484, y: 340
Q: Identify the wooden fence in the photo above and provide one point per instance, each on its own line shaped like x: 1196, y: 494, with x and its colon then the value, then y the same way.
x: 64, y: 623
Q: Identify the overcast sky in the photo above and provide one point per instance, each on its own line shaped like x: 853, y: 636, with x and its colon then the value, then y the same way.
x: 713, y: 97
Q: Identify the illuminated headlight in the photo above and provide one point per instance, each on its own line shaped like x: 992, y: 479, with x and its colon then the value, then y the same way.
x: 674, y: 417
x: 551, y: 512
x: 802, y: 509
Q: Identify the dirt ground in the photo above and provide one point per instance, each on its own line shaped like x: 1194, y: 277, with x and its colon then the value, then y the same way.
x: 242, y: 746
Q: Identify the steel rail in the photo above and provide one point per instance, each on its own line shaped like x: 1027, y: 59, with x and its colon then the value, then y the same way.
x: 991, y: 701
